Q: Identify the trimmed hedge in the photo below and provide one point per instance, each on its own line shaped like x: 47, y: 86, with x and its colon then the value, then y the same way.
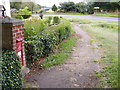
x: 48, y: 38
x: 11, y: 70
x: 33, y: 49
x: 56, y: 20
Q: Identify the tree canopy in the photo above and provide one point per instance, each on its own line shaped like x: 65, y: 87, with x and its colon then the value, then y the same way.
x: 88, y: 7
x: 67, y: 6
x: 107, y: 6
x: 54, y: 8
x: 20, y: 5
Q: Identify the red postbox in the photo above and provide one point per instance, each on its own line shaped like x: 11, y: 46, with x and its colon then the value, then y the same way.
x: 19, y: 47
x: 13, y: 36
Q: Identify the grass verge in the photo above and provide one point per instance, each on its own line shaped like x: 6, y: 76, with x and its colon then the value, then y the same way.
x: 65, y: 49
x: 107, y: 36
x: 96, y: 14
x: 106, y: 14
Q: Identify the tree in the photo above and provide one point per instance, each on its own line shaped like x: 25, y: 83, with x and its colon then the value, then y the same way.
x: 67, y: 6
x: 81, y: 7
x: 54, y: 8
x: 37, y: 8
x: 16, y: 5
x: 30, y: 5
x: 20, y: 5
x: 90, y: 8
x: 107, y: 6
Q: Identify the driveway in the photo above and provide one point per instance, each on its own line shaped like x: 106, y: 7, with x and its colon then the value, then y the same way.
x: 84, y: 16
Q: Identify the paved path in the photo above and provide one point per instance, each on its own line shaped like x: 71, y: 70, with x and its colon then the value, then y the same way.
x: 84, y: 16
x: 77, y: 72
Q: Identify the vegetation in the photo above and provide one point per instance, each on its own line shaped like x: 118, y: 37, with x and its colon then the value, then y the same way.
x: 107, y: 6
x: 20, y: 5
x: 88, y: 7
x: 42, y: 41
x: 106, y: 33
x: 54, y: 8
x: 106, y: 14
x: 56, y: 20
x: 22, y: 13
x: 11, y: 70
x: 64, y: 52
x: 33, y: 50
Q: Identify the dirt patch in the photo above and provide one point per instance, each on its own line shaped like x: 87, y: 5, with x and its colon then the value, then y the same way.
x: 77, y: 72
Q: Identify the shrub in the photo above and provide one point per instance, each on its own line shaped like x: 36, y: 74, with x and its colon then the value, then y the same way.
x: 24, y: 11
x: 56, y: 20
x: 50, y: 38
x: 19, y: 17
x: 47, y: 40
x: 34, y: 27
x: 64, y: 29
x: 11, y: 70
x: 33, y: 50
x: 49, y: 20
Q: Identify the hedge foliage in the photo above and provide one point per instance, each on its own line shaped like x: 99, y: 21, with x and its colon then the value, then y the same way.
x: 34, y: 27
x: 11, y: 70
x: 47, y: 39
x: 33, y: 49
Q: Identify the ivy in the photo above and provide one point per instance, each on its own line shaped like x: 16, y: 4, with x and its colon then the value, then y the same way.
x: 11, y: 70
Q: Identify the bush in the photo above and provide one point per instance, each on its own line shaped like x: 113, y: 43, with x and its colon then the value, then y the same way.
x: 56, y: 20
x: 49, y: 20
x: 19, y: 17
x: 50, y: 38
x: 47, y: 40
x: 34, y: 27
x: 24, y: 11
x: 64, y: 29
x: 33, y: 50
x: 11, y: 70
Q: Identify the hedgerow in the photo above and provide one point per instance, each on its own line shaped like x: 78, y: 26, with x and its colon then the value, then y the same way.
x: 11, y: 70
x: 33, y: 49
x: 49, y: 38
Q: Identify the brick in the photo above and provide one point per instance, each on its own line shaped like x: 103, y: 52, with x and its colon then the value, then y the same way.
x: 18, y: 34
x: 15, y: 31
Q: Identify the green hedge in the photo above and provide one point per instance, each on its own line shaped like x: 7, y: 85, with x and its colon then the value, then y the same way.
x: 11, y: 70
x: 56, y: 20
x: 48, y: 39
x: 34, y: 27
x: 33, y: 49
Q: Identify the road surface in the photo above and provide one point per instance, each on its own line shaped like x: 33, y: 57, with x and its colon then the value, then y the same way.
x: 84, y: 16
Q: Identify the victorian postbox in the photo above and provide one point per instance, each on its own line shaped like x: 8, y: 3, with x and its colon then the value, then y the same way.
x: 13, y: 36
x: 19, y: 47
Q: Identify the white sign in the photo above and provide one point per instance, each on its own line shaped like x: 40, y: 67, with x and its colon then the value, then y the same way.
x: 6, y: 4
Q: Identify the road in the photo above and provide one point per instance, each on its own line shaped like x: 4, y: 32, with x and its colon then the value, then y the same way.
x: 84, y: 16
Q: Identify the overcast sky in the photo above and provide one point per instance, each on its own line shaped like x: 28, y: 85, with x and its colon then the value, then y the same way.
x: 50, y: 3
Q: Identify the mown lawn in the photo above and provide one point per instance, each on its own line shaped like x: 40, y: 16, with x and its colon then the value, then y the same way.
x: 106, y: 34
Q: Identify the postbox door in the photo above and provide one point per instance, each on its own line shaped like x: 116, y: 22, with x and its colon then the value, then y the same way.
x: 19, y: 50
